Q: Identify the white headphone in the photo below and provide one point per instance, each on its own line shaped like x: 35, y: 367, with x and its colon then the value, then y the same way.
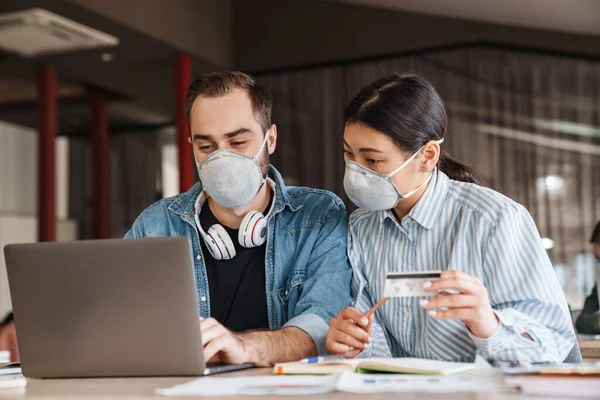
x: 252, y: 232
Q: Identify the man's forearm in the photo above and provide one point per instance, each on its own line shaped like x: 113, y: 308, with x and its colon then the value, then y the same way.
x: 265, y: 348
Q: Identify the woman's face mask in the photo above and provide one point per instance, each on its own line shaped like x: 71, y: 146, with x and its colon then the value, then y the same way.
x: 373, y: 191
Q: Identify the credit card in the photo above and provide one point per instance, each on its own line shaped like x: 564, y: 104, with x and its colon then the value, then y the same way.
x: 409, y: 284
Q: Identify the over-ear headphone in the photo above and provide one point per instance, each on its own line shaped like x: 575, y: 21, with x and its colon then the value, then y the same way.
x: 252, y: 232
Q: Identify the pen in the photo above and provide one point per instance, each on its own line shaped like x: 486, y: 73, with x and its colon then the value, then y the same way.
x: 376, y: 306
x: 316, y: 360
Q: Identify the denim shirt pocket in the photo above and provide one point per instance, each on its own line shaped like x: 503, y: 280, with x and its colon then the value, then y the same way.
x: 290, y: 294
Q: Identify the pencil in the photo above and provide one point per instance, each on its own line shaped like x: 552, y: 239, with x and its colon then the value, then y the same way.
x: 376, y: 306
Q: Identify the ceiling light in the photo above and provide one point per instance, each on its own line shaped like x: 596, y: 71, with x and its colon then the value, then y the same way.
x: 551, y: 184
x: 548, y: 243
x: 107, y: 57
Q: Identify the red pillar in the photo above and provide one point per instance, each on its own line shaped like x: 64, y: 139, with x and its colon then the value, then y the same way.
x: 182, y: 79
x: 100, y: 167
x: 47, y: 127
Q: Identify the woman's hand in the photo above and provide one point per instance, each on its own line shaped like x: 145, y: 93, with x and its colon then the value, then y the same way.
x: 471, y: 306
x: 349, y: 333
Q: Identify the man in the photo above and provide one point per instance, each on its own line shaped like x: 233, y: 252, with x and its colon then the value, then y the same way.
x: 589, y: 320
x: 270, y: 261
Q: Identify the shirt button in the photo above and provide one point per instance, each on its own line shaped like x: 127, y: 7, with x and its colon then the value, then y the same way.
x: 406, y: 314
x: 198, y: 257
x: 203, y: 298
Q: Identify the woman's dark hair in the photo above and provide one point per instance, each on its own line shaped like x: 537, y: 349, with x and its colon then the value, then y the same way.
x: 407, y: 109
x: 596, y: 234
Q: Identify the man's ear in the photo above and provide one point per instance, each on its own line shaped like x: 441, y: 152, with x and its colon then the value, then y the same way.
x: 272, y: 141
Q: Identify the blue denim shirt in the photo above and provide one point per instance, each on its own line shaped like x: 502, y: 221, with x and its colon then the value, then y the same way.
x: 306, y: 264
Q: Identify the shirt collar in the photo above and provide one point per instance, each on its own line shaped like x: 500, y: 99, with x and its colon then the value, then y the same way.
x: 429, y: 206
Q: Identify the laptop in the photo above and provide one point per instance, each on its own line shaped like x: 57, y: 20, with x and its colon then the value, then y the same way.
x: 107, y: 308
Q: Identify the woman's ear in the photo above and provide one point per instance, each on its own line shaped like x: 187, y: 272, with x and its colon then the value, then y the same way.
x: 431, y: 154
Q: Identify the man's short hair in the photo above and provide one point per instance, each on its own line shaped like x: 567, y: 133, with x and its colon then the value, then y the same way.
x: 219, y: 83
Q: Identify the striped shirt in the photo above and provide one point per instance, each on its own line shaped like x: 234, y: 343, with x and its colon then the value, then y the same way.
x: 464, y: 227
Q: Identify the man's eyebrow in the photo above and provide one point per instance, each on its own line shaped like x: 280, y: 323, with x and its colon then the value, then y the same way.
x: 198, y: 136
x: 238, y: 132
x: 228, y: 135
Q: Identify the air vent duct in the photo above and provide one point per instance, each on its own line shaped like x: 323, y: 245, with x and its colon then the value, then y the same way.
x: 35, y: 32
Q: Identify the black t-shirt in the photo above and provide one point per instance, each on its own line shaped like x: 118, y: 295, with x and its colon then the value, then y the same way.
x: 237, y: 288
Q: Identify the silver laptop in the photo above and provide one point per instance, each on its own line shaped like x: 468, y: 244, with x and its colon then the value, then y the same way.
x: 107, y: 308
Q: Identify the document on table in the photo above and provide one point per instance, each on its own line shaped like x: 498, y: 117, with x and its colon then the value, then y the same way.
x: 394, y: 383
x: 255, y: 385
x: 568, y: 387
x: 346, y: 382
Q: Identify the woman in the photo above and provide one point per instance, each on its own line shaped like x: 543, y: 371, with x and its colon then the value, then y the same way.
x: 589, y: 319
x: 422, y: 211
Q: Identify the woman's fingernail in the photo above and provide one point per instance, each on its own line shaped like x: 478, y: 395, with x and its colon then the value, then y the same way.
x: 432, y: 313
x: 370, y: 339
x: 351, y: 348
x: 364, y: 321
x: 366, y: 346
x: 426, y: 285
x: 423, y: 302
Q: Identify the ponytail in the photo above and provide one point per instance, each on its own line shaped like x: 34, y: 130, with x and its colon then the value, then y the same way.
x: 456, y: 170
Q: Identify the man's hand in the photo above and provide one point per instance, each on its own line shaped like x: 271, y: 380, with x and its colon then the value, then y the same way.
x: 261, y: 348
x: 220, y: 344
x: 8, y: 340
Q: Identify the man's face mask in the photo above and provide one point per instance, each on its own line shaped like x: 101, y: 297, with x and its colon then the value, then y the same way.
x: 230, y: 178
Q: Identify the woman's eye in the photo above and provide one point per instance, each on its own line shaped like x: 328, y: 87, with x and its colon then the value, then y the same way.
x: 346, y: 152
x: 205, y: 148
x: 372, y: 161
x: 237, y: 143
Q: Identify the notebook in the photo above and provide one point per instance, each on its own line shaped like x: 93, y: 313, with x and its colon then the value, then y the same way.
x: 564, y: 370
x: 10, y: 369
x: 369, y: 365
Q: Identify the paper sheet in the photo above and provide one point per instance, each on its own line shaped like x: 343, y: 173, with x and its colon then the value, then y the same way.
x: 255, y: 385
x: 568, y: 387
x: 394, y: 383
x: 483, y: 378
x: 346, y: 382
